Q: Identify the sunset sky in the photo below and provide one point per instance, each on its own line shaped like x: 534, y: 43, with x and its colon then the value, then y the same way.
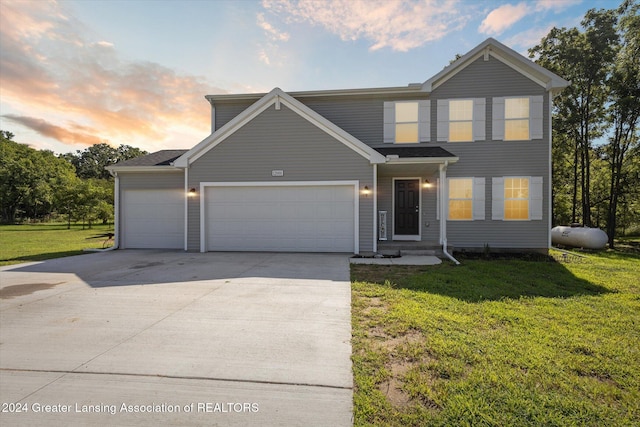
x: 80, y: 72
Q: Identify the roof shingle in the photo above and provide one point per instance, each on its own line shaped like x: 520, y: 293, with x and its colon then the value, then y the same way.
x: 159, y: 158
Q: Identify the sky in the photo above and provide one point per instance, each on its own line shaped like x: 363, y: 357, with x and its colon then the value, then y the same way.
x: 79, y: 72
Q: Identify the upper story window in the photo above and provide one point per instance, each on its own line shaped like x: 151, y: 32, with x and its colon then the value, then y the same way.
x: 407, y: 122
x: 518, y: 118
x: 461, y: 120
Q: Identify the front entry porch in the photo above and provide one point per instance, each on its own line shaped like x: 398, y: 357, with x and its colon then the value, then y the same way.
x: 408, y: 195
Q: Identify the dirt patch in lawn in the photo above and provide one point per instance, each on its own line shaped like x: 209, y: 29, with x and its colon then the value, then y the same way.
x: 399, y: 364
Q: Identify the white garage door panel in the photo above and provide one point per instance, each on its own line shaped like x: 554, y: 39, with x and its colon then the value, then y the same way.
x: 153, y: 219
x: 280, y: 218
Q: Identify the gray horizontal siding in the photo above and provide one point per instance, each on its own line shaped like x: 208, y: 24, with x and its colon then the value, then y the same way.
x: 361, y: 117
x: 281, y: 140
x: 488, y: 160
x: 487, y: 78
x: 226, y: 111
x: 151, y: 180
x: 497, y: 159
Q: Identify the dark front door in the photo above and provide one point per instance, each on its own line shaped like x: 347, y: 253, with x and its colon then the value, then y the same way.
x: 407, y: 206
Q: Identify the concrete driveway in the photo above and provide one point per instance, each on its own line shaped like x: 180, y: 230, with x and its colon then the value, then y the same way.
x: 155, y: 337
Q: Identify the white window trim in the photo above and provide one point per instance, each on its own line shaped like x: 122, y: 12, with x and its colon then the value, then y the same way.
x: 461, y: 121
x: 535, y: 199
x: 528, y: 198
x: 528, y: 118
x: 478, y: 119
x: 423, y: 123
x: 536, y: 113
x: 478, y: 198
x: 417, y: 123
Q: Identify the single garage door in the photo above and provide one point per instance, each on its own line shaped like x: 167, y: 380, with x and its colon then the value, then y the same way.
x: 305, y: 218
x: 153, y: 219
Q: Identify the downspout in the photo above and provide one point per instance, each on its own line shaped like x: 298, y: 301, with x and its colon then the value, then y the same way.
x: 443, y: 212
x: 550, y: 177
x: 186, y: 208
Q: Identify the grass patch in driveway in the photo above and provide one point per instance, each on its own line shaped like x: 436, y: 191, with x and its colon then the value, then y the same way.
x: 506, y: 342
x: 38, y: 242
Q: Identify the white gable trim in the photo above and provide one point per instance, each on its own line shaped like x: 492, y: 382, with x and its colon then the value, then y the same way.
x: 278, y: 97
x: 504, y: 54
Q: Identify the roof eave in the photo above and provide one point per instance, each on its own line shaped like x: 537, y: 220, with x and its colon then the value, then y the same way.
x: 392, y: 160
x: 411, y: 88
x: 163, y: 168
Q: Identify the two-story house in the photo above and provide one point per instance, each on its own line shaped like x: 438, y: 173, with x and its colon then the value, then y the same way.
x: 462, y: 160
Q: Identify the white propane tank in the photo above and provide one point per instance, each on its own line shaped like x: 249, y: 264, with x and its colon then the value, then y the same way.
x: 579, y: 237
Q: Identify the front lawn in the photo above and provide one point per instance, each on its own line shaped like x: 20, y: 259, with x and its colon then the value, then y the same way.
x: 37, y: 242
x: 497, y: 343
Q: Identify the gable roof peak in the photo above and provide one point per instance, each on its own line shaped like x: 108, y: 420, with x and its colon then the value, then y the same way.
x: 277, y: 97
x: 493, y: 48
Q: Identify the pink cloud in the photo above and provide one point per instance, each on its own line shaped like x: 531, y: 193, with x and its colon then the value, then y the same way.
x: 61, y: 134
x: 503, y: 17
x: 399, y: 25
x: 88, y: 83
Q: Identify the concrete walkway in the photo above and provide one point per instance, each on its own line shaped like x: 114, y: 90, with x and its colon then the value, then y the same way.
x: 403, y: 260
x: 173, y: 338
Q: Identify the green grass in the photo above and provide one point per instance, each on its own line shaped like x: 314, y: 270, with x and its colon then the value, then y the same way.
x: 37, y: 242
x: 497, y: 343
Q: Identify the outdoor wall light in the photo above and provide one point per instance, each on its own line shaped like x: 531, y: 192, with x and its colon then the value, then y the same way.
x: 426, y: 184
x: 366, y: 191
x: 192, y: 192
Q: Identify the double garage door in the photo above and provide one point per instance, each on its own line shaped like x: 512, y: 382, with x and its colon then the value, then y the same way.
x: 287, y: 218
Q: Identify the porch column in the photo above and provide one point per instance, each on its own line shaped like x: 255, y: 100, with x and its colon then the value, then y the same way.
x: 375, y: 208
x: 443, y: 202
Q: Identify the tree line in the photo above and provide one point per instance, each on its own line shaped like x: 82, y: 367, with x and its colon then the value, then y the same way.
x: 596, y: 167
x: 38, y: 185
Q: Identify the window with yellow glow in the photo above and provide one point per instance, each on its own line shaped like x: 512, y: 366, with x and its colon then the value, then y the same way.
x: 460, y: 198
x: 516, y: 119
x: 406, y: 122
x: 461, y: 120
x: 516, y: 198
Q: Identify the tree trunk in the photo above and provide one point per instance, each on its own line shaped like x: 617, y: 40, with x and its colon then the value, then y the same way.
x: 575, y: 183
x: 586, y: 163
